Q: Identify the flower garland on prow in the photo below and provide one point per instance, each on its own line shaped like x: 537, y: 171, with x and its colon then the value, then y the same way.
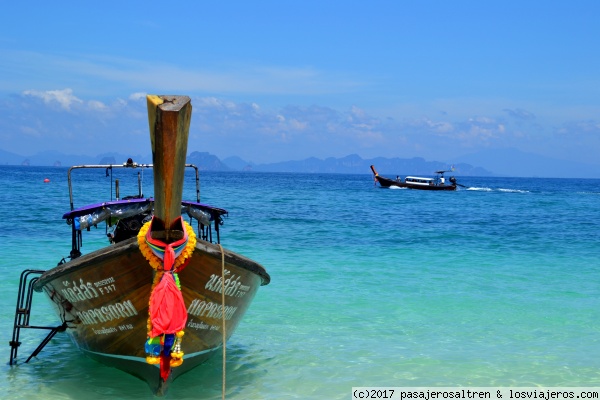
x: 167, y: 312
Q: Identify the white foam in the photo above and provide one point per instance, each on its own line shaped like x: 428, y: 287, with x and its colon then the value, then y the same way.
x: 513, y: 191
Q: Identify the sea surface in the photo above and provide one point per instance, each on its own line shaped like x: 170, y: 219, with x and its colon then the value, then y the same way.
x: 494, y: 285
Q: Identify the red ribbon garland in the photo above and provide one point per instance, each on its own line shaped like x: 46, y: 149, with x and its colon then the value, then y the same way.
x: 168, y: 314
x: 167, y: 308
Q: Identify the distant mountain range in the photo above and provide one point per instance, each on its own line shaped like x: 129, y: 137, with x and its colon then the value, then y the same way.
x: 354, y: 164
x: 513, y: 162
x: 503, y: 162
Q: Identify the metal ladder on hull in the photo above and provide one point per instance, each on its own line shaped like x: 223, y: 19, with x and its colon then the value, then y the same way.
x: 23, y: 312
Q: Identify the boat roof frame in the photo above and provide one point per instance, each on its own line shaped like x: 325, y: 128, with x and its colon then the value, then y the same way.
x: 127, y: 164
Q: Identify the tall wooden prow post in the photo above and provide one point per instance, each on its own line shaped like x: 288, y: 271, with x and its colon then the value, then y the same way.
x: 169, y: 120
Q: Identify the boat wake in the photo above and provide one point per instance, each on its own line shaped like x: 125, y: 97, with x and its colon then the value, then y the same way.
x: 487, y: 189
x: 513, y: 191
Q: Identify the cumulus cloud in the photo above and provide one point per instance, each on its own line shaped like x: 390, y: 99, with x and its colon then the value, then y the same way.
x: 64, y: 98
x: 225, y: 128
x: 443, y: 127
x: 137, y: 96
x: 213, y: 102
x: 580, y: 128
x: 97, y: 105
x: 481, y: 130
x: 296, y: 125
x: 30, y: 131
x: 519, y: 113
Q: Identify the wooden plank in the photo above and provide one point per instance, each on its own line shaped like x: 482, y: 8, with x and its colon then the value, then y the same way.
x: 169, y: 121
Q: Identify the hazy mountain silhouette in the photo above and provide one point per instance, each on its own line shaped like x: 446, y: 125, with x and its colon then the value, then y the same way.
x: 354, y: 164
x: 496, y: 162
x: 513, y: 162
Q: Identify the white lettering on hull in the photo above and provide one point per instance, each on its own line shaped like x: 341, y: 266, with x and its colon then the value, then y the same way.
x: 209, y: 309
x: 112, y: 329
x: 233, y: 286
x: 107, y: 313
x: 197, y: 325
x: 104, y: 331
x: 104, y: 282
x: 75, y: 292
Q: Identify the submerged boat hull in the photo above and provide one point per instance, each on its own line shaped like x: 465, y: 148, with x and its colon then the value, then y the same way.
x: 104, y: 299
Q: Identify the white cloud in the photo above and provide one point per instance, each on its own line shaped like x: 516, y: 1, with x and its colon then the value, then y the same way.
x: 224, y: 128
x: 297, y: 125
x: 64, y: 98
x: 118, y: 74
x: 213, y: 102
x: 97, y: 105
x: 29, y: 131
x: 137, y: 96
x: 519, y: 113
x: 437, y: 126
x: 481, y: 120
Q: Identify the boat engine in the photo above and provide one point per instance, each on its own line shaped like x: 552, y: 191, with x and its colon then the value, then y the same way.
x: 129, y: 227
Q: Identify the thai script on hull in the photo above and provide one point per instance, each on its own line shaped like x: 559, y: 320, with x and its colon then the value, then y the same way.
x: 233, y: 286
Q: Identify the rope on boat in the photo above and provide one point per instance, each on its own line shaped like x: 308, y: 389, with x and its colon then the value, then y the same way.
x: 223, y: 318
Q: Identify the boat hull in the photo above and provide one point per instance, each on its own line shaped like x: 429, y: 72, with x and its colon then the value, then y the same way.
x: 104, y: 298
x: 408, y: 184
x: 430, y: 187
x: 387, y: 183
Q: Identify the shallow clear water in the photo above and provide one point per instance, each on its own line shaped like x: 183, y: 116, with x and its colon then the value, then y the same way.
x: 496, y: 284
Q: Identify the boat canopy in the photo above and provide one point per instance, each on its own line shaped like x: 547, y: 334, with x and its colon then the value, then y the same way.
x: 418, y: 180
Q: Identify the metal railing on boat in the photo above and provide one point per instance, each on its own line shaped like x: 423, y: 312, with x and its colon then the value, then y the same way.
x: 128, y: 164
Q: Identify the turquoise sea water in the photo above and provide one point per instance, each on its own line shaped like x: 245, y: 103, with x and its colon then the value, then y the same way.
x: 497, y: 284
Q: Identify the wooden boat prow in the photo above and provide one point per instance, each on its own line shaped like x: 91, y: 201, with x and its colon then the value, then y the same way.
x: 169, y: 120
x: 105, y: 298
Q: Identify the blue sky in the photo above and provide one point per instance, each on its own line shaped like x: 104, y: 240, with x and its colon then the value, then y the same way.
x: 280, y: 80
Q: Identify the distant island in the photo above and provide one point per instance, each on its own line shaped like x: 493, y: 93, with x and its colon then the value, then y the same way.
x: 497, y: 162
x: 352, y: 164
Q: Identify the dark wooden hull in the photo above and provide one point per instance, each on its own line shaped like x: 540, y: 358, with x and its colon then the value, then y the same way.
x: 104, y: 297
x: 430, y: 187
x: 386, y: 182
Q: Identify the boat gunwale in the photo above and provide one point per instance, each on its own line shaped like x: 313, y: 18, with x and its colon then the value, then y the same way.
x: 131, y: 244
